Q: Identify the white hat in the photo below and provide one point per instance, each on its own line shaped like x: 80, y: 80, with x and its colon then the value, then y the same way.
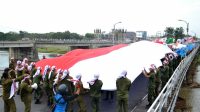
x: 96, y: 76
x: 53, y: 67
x: 19, y: 62
x: 123, y: 74
x: 78, y: 76
x: 65, y: 73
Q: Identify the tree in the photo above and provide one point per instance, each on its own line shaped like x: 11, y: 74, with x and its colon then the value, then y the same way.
x: 169, y: 31
x: 89, y: 36
x: 178, y: 33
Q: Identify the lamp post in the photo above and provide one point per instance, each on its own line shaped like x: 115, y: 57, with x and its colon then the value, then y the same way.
x: 114, y: 32
x: 187, y: 23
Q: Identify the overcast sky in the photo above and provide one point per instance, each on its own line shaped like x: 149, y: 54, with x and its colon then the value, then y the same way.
x: 83, y: 16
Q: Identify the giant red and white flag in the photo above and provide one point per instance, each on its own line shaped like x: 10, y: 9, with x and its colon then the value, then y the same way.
x: 109, y: 62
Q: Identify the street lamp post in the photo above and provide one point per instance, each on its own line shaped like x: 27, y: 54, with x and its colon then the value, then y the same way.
x: 114, y: 32
x: 187, y: 23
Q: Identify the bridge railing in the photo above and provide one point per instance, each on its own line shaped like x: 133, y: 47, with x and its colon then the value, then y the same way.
x: 166, y: 100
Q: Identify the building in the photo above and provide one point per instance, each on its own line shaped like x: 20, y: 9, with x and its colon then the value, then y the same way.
x: 141, y: 34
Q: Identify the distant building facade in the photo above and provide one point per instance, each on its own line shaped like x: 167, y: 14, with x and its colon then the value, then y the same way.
x: 141, y: 34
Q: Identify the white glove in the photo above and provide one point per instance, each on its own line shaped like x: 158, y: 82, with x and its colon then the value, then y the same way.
x: 34, y: 86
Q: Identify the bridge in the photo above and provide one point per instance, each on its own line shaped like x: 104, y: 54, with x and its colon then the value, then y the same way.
x: 27, y: 48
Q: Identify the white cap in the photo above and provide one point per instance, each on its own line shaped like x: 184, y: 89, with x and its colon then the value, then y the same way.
x: 123, y: 74
x: 53, y: 67
x: 96, y: 76
x: 78, y: 76
x: 65, y: 73
x: 19, y: 62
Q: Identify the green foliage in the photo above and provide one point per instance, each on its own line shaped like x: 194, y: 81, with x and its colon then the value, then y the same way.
x: 178, y: 33
x: 58, y: 50
x: 169, y: 31
x: 89, y: 36
x: 13, y: 36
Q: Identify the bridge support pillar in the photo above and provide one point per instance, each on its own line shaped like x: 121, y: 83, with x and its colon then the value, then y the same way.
x: 11, y: 53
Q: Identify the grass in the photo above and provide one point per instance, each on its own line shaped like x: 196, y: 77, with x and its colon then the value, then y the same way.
x: 59, y: 50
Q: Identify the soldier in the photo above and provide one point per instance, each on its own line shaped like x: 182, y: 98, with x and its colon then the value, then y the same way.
x: 95, y: 92
x: 123, y: 85
x: 26, y: 92
x: 46, y: 82
x: 51, y: 77
x: 9, y: 83
x: 37, y: 78
x: 158, y: 82
x: 25, y: 62
x: 20, y: 71
x: 79, y: 89
x: 66, y: 79
x: 33, y: 70
x: 12, y: 63
x: 165, y: 73
x: 151, y: 86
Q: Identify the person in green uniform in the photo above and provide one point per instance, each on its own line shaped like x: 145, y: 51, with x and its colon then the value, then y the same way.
x: 79, y: 89
x: 7, y: 82
x: 26, y: 88
x: 37, y: 78
x: 51, y: 77
x: 158, y: 82
x: 12, y: 63
x: 46, y: 82
x: 66, y: 79
x: 95, y: 92
x: 33, y: 70
x: 123, y: 85
x: 151, y: 85
x: 20, y: 71
x: 165, y: 73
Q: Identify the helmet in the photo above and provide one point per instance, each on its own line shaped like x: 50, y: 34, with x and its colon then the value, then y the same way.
x: 62, y: 89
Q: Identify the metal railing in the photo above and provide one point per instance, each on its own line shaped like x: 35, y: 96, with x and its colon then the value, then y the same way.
x: 166, y: 100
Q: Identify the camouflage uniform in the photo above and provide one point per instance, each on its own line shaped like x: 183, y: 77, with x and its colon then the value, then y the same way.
x: 26, y: 95
x: 123, y: 86
x: 79, y: 99
x: 9, y: 104
x: 95, y: 93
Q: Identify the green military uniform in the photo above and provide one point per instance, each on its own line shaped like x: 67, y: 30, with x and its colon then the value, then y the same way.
x: 157, y: 82
x: 123, y: 86
x: 9, y: 104
x: 51, y: 81
x: 165, y: 75
x: 79, y: 99
x: 26, y: 95
x: 71, y: 89
x: 38, y: 91
x: 171, y: 68
x: 46, y: 87
x: 33, y: 70
x: 151, y: 88
x: 12, y: 65
x: 19, y: 73
x: 95, y: 93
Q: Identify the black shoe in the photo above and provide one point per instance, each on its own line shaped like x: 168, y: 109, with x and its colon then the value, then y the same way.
x: 147, y: 106
x: 37, y: 102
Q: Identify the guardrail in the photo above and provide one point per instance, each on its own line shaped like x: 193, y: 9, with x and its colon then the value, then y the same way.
x: 166, y: 100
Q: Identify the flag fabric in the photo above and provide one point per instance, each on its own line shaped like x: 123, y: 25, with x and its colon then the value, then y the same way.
x: 109, y: 62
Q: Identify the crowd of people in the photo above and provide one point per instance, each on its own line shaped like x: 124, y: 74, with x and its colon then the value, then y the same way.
x: 63, y: 91
x: 158, y: 77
